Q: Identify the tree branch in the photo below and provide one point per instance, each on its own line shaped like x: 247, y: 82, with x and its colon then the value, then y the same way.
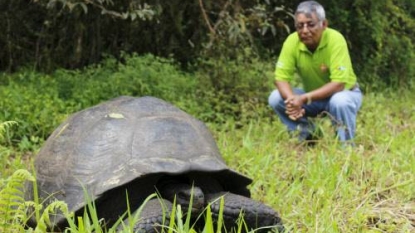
x: 205, y: 17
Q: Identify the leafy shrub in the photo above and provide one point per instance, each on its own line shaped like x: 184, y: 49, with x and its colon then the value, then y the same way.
x: 136, y: 76
x: 380, y: 36
x: 9, y: 160
x: 39, y: 102
x: 239, y: 87
x: 31, y: 100
x: 217, y: 91
x: 12, y: 204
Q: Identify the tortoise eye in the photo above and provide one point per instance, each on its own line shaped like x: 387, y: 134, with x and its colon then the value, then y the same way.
x: 181, y: 196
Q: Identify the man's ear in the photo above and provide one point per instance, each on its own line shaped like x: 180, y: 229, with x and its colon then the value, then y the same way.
x: 325, y: 23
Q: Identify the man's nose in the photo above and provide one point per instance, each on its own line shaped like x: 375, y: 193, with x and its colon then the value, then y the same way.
x: 305, y: 28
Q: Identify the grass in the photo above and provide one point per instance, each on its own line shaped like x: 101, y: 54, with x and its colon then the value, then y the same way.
x: 325, y: 188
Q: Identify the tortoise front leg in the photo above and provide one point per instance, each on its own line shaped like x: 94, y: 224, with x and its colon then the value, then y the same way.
x: 151, y: 218
x: 255, y: 214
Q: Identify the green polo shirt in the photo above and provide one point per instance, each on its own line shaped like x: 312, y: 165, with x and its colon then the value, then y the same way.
x: 329, y: 62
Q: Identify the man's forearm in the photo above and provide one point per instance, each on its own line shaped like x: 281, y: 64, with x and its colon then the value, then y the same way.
x: 284, y: 88
x: 325, y: 91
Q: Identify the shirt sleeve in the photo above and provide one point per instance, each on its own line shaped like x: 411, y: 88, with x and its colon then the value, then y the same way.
x: 341, y: 66
x: 285, y: 67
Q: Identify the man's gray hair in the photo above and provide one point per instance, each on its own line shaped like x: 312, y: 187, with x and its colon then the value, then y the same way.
x: 309, y: 7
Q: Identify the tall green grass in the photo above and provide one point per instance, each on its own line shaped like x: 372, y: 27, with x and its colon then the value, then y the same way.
x: 325, y: 188
x: 14, y: 214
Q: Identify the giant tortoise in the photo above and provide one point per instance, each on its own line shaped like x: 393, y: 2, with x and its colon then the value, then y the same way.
x: 134, y: 147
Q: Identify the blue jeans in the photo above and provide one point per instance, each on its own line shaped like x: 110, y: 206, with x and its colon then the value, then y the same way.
x: 342, y: 107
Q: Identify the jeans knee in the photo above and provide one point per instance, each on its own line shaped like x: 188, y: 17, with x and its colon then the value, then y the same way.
x: 339, y: 101
x: 275, y: 99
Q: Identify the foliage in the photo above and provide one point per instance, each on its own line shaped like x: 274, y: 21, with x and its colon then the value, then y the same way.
x: 134, y: 10
x: 66, y: 33
x: 10, y: 159
x: 260, y: 26
x: 14, y: 209
x: 3, y: 126
x: 14, y: 214
x: 136, y: 76
x: 33, y: 109
x: 44, y: 222
x: 12, y: 204
x: 50, y: 34
x: 205, y: 94
x: 381, y: 38
x: 389, y: 47
x: 76, y: 33
x: 246, y: 86
x: 64, y: 92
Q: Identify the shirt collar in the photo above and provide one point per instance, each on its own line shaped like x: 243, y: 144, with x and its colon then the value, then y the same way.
x: 323, y: 42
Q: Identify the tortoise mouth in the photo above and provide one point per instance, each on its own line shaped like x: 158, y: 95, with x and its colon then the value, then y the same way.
x: 193, y: 210
x: 197, y: 207
x: 196, y: 210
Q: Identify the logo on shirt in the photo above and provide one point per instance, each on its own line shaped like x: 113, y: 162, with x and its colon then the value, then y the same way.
x: 341, y: 68
x: 280, y: 64
x: 324, y: 68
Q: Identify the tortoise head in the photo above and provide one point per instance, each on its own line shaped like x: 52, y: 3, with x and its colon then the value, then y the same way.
x: 184, y: 194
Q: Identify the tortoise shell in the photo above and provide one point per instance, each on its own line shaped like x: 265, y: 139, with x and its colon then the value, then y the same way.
x: 122, y: 141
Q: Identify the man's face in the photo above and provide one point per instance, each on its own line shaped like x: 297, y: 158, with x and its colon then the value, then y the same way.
x: 309, y: 29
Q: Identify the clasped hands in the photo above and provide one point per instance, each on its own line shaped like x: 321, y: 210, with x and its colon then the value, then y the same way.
x: 294, y: 107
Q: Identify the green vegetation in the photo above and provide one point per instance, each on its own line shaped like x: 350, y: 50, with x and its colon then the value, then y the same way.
x: 325, y: 188
x: 214, y: 59
x: 50, y: 34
